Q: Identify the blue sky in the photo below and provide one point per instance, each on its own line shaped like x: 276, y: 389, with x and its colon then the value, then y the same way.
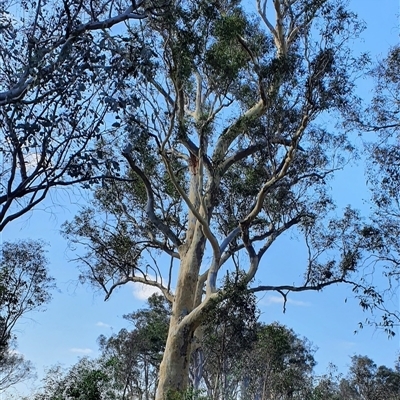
x: 77, y: 315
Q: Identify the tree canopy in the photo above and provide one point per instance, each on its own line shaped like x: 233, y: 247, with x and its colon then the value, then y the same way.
x: 201, y: 130
x: 55, y: 93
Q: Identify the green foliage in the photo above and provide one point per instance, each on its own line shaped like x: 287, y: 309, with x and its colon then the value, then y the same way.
x: 225, y: 153
x: 197, y: 125
x: 14, y: 368
x: 86, y: 380
x: 226, y: 57
x: 25, y: 286
x: 229, y: 331
x: 239, y: 353
x: 24, y: 283
x: 88, y: 386
x: 280, y: 363
x: 133, y: 356
x: 234, y: 59
x: 152, y: 326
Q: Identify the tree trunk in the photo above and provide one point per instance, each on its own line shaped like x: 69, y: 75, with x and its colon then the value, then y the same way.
x: 174, y: 368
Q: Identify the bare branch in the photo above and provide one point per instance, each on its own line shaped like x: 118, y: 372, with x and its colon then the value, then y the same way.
x: 206, y: 228
x: 262, y: 11
x: 282, y: 172
x: 290, y: 288
x: 150, y: 202
x: 138, y: 279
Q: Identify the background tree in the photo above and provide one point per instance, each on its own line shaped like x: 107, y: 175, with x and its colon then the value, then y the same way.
x: 225, y: 154
x: 14, y: 369
x: 387, y: 382
x: 364, y: 381
x: 327, y: 386
x: 24, y: 283
x: 86, y: 380
x: 274, y: 363
x: 226, y: 336
x: 25, y: 286
x: 381, y: 119
x: 362, y: 373
x: 279, y: 366
x: 127, y: 367
x: 135, y: 355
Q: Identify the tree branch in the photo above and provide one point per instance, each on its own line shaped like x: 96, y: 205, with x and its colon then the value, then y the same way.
x: 281, y: 173
x: 18, y: 91
x: 291, y: 288
x: 138, y: 279
x: 150, y: 202
x: 233, y: 131
x: 206, y: 228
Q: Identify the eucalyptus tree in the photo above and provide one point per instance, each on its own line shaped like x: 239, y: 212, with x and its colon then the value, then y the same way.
x: 381, y: 120
x: 55, y: 92
x: 14, y: 369
x: 224, y: 341
x: 326, y: 387
x: 134, y: 355
x: 279, y: 365
x: 364, y: 381
x: 227, y: 152
x: 25, y: 286
x: 85, y: 380
x: 246, y: 359
x: 367, y: 381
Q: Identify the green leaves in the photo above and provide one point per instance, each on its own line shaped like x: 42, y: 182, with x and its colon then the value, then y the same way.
x: 226, y: 57
x: 229, y: 26
x: 25, y: 286
x: 24, y: 283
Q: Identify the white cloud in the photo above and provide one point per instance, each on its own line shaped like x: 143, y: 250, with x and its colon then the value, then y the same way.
x: 31, y: 161
x: 143, y: 292
x: 269, y: 300
x: 103, y: 325
x: 80, y: 351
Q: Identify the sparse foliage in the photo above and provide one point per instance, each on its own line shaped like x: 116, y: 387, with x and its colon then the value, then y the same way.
x: 14, y: 368
x: 25, y: 286
x: 24, y: 283
x: 57, y: 87
x: 380, y: 233
x: 86, y: 380
x: 135, y: 354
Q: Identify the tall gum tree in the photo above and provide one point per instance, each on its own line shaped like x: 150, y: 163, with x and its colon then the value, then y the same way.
x: 226, y: 153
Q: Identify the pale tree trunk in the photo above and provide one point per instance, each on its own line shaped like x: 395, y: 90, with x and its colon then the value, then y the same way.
x: 174, y: 368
